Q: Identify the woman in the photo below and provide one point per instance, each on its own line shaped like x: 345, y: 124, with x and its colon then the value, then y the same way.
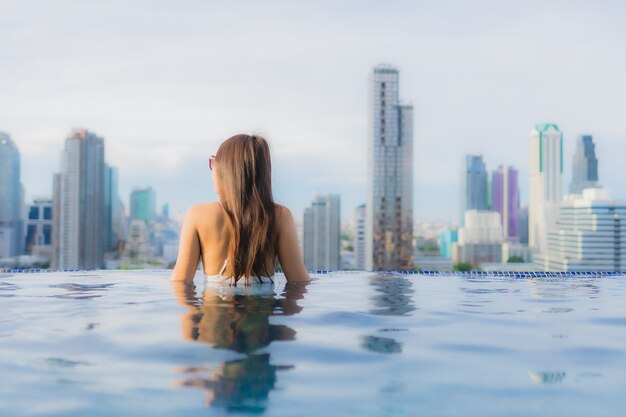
x: 239, y: 237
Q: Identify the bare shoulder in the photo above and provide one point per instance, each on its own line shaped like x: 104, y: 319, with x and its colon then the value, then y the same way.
x: 284, y: 218
x: 198, y: 213
x: 283, y: 214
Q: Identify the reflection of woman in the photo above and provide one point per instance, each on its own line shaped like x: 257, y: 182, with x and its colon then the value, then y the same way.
x: 226, y: 319
x: 241, y: 235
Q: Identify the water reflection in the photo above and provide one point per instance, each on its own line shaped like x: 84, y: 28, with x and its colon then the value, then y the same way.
x: 546, y: 377
x: 238, y: 320
x: 82, y: 291
x: 392, y: 297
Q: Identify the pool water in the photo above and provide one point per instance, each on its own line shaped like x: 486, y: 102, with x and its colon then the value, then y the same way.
x: 131, y: 343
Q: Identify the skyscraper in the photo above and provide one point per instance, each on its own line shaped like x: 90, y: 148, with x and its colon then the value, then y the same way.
x: 320, y: 242
x: 38, y: 240
x: 474, y: 187
x: 359, y: 237
x: 11, y: 199
x: 585, y: 165
x: 112, y: 209
x: 143, y: 204
x: 546, y: 170
x: 505, y: 200
x: 389, y: 207
x: 81, y: 202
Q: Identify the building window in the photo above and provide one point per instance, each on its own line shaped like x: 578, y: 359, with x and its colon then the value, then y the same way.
x: 31, y: 230
x: 47, y: 234
x: 33, y: 213
x: 47, y: 213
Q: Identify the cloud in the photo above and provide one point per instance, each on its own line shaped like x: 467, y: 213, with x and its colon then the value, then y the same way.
x: 165, y: 83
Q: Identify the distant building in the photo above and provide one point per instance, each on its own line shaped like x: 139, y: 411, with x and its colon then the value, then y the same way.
x: 38, y: 240
x: 546, y: 171
x: 505, y: 200
x: 480, y: 239
x: 359, y: 237
x: 137, y: 249
x: 511, y: 250
x: 590, y: 235
x: 112, y: 212
x: 143, y: 204
x: 446, y: 238
x: 522, y: 221
x: 389, y: 207
x: 321, y: 233
x: 11, y: 199
x: 81, y: 202
x: 474, y: 185
x: 585, y: 165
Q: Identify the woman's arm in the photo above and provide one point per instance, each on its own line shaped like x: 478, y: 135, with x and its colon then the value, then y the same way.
x: 188, y: 249
x: 289, y: 254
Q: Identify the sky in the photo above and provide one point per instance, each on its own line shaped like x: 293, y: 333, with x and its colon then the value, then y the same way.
x: 165, y: 82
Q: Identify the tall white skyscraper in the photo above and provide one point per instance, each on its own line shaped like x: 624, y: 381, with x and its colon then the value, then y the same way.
x: 389, y: 207
x: 320, y: 242
x: 359, y: 237
x: 546, y: 171
x: 81, y: 201
x: 11, y: 199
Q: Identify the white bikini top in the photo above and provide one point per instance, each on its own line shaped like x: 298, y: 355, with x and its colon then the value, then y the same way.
x: 231, y: 280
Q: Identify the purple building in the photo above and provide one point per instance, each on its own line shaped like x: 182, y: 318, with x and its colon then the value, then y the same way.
x: 505, y: 200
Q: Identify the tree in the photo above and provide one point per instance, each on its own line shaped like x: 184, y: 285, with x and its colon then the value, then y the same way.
x: 515, y: 259
x: 463, y: 267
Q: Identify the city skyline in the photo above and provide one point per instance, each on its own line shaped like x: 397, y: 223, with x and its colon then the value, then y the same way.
x: 474, y: 88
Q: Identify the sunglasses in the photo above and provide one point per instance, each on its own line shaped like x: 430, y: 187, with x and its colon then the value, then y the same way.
x: 212, y: 161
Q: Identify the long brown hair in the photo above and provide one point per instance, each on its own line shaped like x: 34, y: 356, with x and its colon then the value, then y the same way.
x: 244, y: 173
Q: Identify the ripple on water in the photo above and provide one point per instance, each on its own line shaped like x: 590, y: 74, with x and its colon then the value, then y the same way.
x: 465, y: 348
x: 612, y: 321
x: 65, y: 363
x: 558, y: 310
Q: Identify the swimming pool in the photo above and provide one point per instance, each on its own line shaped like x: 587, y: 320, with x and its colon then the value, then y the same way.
x: 129, y: 343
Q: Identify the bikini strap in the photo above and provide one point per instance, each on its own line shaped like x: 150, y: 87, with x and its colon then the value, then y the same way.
x: 223, y: 267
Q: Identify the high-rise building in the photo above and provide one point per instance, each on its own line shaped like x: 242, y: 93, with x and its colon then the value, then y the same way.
x: 38, y: 240
x: 81, y: 202
x: 143, y: 204
x: 585, y: 165
x: 522, y: 221
x: 546, y: 170
x: 389, y: 207
x: 320, y: 242
x: 480, y: 238
x: 11, y: 199
x: 112, y: 209
x: 474, y: 185
x: 505, y: 200
x: 359, y: 237
x: 590, y: 235
x: 137, y: 249
x: 447, y: 237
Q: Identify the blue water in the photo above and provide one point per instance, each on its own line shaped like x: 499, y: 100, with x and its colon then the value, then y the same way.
x: 130, y: 343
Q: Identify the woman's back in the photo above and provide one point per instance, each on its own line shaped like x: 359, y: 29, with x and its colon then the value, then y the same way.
x: 205, y: 236
x: 214, y: 238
